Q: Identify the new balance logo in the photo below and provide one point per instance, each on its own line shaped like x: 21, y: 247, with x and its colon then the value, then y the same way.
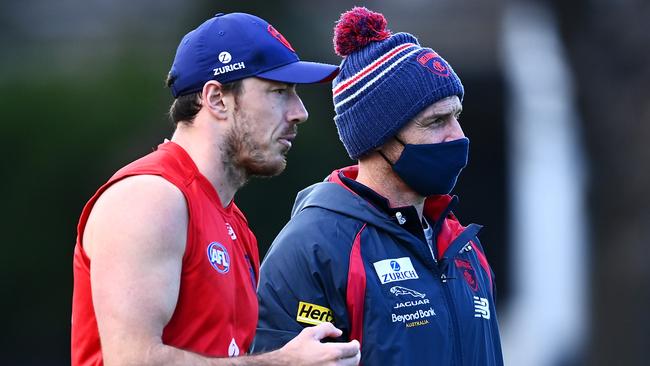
x: 231, y: 232
x: 481, y: 308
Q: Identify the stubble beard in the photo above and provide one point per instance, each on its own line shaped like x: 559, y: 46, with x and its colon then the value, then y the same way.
x: 244, y: 157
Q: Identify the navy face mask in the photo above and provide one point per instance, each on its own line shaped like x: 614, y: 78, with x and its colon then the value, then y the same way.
x: 432, y: 168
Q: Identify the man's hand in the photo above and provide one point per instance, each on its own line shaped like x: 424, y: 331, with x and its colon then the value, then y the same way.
x: 307, y: 350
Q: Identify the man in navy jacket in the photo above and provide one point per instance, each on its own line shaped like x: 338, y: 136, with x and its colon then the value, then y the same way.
x: 376, y: 249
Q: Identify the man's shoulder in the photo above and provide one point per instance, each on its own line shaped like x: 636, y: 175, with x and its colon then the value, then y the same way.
x: 150, y: 195
x: 313, y: 238
x: 143, y: 204
x: 315, y: 228
x: 168, y: 160
x: 145, y: 188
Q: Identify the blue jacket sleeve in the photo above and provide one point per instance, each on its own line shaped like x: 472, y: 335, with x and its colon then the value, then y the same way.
x: 303, y: 278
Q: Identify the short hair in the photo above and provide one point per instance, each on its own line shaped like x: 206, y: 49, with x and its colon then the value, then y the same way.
x: 185, y: 107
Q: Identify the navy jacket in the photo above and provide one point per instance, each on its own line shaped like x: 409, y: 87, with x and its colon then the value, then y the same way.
x: 339, y: 259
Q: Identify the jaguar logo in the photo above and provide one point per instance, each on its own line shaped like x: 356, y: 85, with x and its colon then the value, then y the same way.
x: 399, y: 290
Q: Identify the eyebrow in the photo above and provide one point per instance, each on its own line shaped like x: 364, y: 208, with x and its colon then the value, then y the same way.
x: 278, y: 83
x: 446, y: 112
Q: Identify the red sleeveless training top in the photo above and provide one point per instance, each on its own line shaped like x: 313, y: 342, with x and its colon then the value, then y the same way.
x: 216, y: 311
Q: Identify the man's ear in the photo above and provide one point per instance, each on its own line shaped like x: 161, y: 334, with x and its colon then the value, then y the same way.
x: 212, y: 98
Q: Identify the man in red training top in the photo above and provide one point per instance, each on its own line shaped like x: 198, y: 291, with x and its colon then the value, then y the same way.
x: 165, y: 266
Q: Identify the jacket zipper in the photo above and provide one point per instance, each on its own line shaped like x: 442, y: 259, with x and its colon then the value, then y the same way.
x: 462, y: 238
x: 443, y: 279
x: 454, y: 319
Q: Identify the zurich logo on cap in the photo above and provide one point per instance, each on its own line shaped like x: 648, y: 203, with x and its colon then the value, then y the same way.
x: 254, y: 48
x: 225, y: 57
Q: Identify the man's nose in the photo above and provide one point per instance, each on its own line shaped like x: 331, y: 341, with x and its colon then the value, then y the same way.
x: 455, y: 131
x: 297, y: 112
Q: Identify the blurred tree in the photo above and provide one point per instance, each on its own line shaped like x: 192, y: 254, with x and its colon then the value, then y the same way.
x: 609, y: 46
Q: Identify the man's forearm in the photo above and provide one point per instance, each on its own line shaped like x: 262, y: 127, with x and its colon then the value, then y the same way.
x: 305, y: 349
x: 170, y: 356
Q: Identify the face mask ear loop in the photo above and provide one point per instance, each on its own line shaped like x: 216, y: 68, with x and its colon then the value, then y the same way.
x: 385, y: 158
x: 398, y: 140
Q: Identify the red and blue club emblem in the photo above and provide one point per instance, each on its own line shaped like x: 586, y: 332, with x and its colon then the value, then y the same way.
x: 277, y: 35
x: 433, y: 62
x: 468, y: 273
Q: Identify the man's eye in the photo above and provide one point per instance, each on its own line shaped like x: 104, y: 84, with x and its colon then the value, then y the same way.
x: 280, y: 90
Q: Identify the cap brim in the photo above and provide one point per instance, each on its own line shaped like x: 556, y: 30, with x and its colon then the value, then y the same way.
x: 302, y: 72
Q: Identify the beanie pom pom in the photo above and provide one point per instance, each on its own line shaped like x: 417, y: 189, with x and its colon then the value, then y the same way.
x: 358, y: 27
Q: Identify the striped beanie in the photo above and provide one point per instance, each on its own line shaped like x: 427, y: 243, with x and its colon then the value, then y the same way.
x: 385, y: 80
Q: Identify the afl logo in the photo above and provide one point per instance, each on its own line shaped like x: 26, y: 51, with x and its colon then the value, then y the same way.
x: 395, y: 266
x: 225, y: 57
x: 218, y: 257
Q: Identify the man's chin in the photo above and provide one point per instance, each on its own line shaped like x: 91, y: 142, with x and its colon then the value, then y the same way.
x: 267, y: 170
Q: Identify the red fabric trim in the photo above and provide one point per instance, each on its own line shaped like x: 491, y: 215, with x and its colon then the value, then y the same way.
x: 356, y: 291
x: 435, y: 205
x: 483, y: 261
x: 449, y: 231
x: 350, y: 172
x: 339, y: 89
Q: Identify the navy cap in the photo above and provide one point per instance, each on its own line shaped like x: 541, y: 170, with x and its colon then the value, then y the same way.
x: 235, y: 46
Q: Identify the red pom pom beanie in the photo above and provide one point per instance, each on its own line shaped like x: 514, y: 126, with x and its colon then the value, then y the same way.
x: 385, y: 80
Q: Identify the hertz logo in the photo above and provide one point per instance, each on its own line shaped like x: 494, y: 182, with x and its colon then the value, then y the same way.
x: 313, y: 314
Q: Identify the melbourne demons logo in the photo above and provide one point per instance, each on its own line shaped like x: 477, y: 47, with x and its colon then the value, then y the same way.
x: 433, y: 62
x: 468, y: 273
x: 218, y: 257
x: 277, y: 35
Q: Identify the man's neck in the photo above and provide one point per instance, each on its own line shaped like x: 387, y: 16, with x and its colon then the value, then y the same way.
x: 205, y: 146
x: 382, y: 179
